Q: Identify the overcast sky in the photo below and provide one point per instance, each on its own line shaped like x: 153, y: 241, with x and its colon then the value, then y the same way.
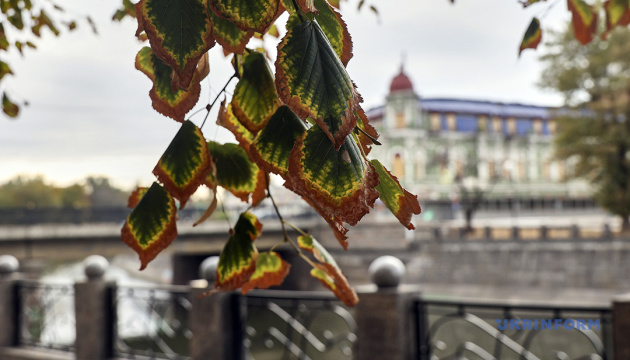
x: 90, y: 113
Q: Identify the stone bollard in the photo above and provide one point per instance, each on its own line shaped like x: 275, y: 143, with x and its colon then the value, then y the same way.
x: 544, y: 233
x: 574, y: 231
x: 216, y: 319
x: 516, y: 232
x: 621, y: 326
x: 93, y: 310
x: 606, y: 232
x: 487, y: 232
x: 386, y: 326
x: 9, y: 266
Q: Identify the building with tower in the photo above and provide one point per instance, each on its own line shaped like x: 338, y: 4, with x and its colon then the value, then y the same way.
x: 436, y: 146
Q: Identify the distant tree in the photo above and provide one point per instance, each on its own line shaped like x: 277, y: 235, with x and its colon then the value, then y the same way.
x: 594, y: 131
x: 102, y: 193
x: 29, y: 192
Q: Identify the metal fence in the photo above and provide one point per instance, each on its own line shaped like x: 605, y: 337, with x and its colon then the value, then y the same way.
x: 494, y: 330
x: 296, y: 325
x: 46, y: 318
x: 151, y: 322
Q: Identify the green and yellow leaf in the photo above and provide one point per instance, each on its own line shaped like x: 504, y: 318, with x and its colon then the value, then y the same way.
x: 4, y: 70
x: 532, y: 36
x: 327, y: 271
x: 127, y: 9
x: 227, y: 119
x: 237, y: 173
x: 256, y: 15
x: 399, y: 201
x: 180, y: 33
x: 335, y: 29
x: 271, y: 270
x: 338, y: 183
x: 151, y: 225
x: 255, y: 98
x: 228, y: 35
x: 4, y: 41
x: 9, y: 107
x: 237, y: 261
x: 584, y: 20
x: 313, y: 82
x: 273, y: 144
x: 185, y: 164
x: 617, y: 14
x: 165, y: 100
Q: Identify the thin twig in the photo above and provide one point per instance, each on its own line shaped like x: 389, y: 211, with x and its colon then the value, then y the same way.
x: 298, y: 11
x: 209, y: 107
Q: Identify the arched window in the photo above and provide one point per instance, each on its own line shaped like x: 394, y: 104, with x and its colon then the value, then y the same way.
x: 398, y: 167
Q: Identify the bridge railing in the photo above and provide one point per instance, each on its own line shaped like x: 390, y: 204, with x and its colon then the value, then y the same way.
x: 391, y: 322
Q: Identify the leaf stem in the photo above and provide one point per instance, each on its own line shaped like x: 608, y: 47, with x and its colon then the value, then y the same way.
x: 209, y: 107
x: 374, y: 141
x: 295, y: 228
x: 298, y: 11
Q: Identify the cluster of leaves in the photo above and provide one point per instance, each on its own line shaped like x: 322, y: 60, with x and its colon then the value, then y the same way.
x: 303, y: 123
x: 21, y: 22
x: 585, y: 15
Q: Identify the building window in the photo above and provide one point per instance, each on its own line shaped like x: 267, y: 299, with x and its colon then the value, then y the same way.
x: 545, y: 170
x: 400, y: 120
x: 435, y: 122
x: 496, y: 125
x: 399, y: 166
x: 511, y: 126
x: 522, y: 170
x: 551, y: 125
x: 492, y: 171
x: 451, y: 122
x: 538, y: 127
x: 482, y: 123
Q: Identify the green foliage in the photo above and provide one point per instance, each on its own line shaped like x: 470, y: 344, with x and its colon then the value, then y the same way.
x: 304, y: 123
x: 595, y: 136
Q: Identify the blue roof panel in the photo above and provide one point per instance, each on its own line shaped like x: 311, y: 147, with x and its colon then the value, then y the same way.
x: 485, y: 108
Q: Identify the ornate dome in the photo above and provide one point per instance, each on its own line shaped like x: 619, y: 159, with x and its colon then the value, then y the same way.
x: 401, y: 82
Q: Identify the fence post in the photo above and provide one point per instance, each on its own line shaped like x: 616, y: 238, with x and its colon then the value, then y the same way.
x: 215, y: 320
x: 93, y: 311
x: 621, y: 326
x: 8, y: 300
x: 386, y: 325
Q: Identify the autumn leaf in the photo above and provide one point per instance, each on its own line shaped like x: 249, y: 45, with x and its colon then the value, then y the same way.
x: 399, y: 201
x: 255, y: 98
x: 179, y: 32
x: 584, y: 20
x: 237, y: 173
x: 136, y: 196
x: 338, y: 183
x: 185, y: 164
x: 228, y: 35
x: 367, y: 136
x: 313, y: 82
x: 327, y: 271
x: 237, y: 261
x: 256, y: 15
x: 271, y: 270
x: 4, y: 70
x: 165, y: 100
x: 617, y: 14
x: 273, y: 144
x: 211, y: 182
x: 227, y: 119
x: 532, y: 36
x: 151, y: 227
x: 9, y: 107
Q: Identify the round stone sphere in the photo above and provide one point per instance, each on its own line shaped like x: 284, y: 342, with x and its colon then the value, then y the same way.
x: 95, y: 266
x: 8, y: 264
x: 386, y: 271
x: 208, y: 269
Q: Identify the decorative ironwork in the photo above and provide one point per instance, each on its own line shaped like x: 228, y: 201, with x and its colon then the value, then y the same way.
x: 46, y: 317
x: 279, y: 325
x: 152, y: 322
x: 475, y: 330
